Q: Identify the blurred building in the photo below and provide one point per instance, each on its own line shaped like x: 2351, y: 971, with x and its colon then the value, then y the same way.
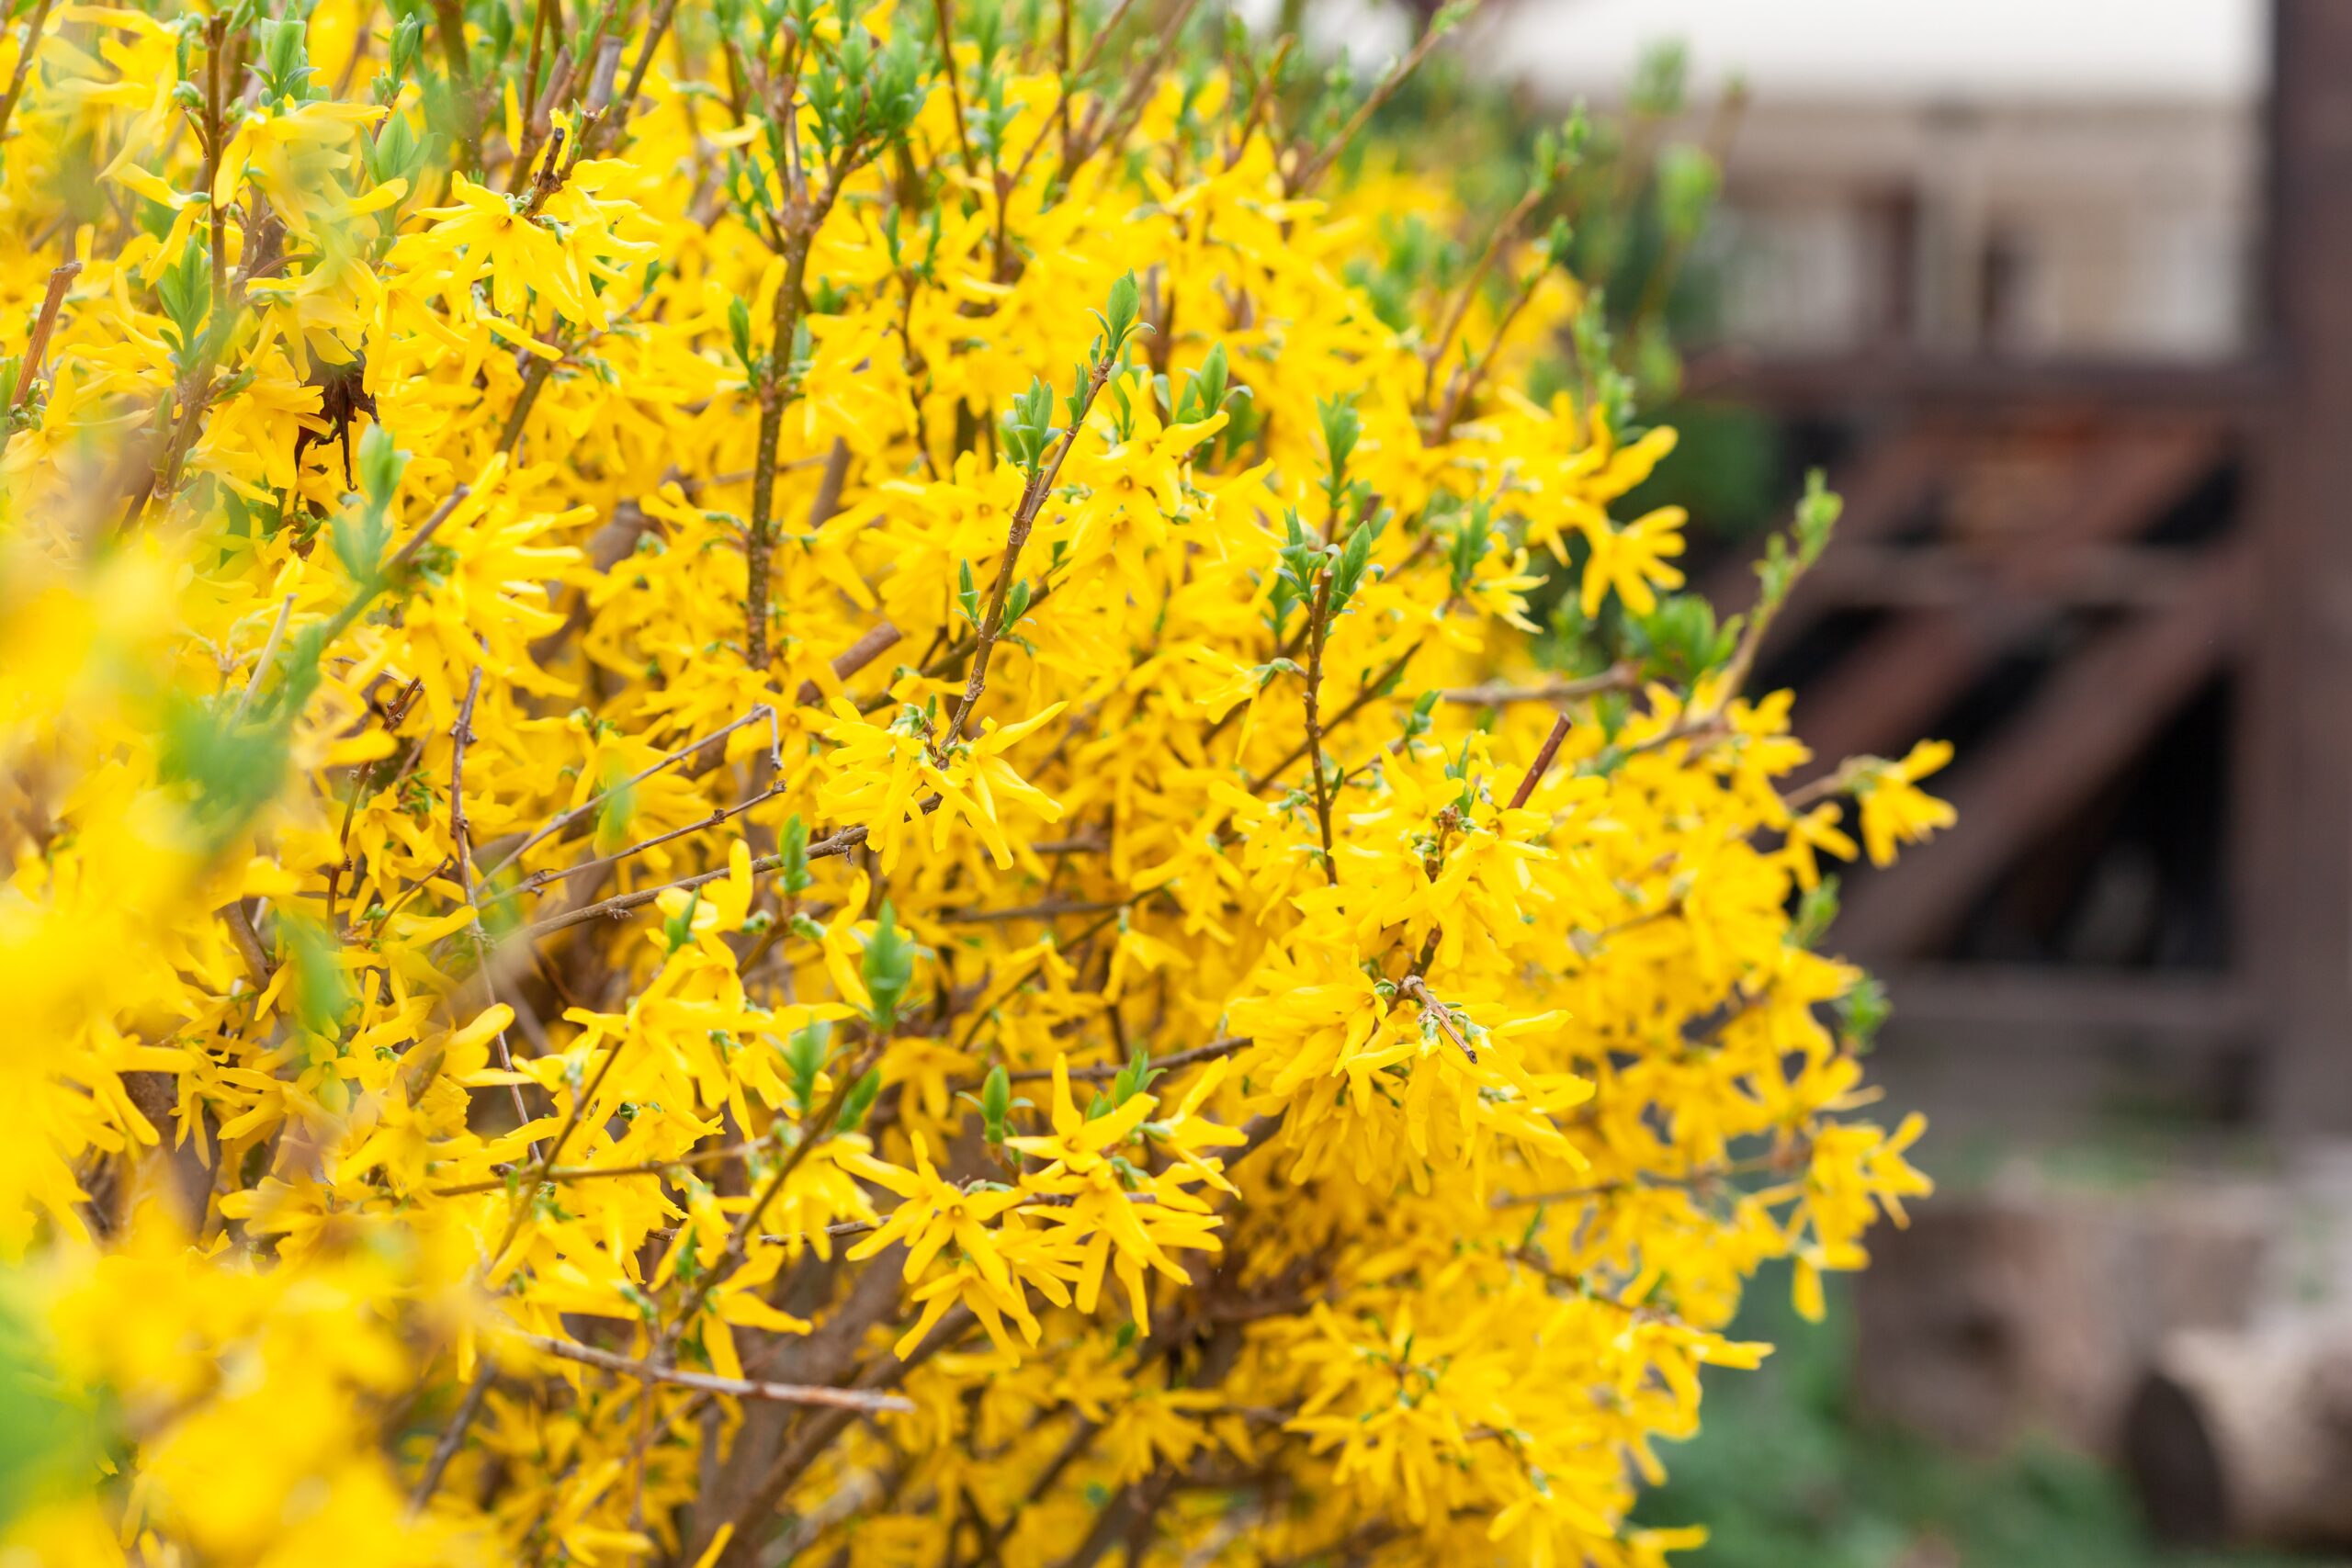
x: 2077, y: 177
x: 2055, y: 291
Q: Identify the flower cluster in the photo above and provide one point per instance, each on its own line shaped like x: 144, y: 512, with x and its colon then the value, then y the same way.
x: 880, y: 784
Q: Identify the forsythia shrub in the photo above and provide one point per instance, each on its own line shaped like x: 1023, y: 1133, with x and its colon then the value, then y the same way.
x: 774, y: 793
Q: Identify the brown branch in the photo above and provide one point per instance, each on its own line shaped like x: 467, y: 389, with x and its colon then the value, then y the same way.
x: 954, y: 91
x: 1131, y: 103
x: 718, y: 813
x: 607, y: 128
x: 1831, y: 783
x: 1465, y: 385
x: 393, y: 569
x: 1542, y: 762
x: 452, y: 1437
x: 1315, y: 167
x: 216, y: 141
x: 60, y: 280
x: 1316, y: 624
x: 535, y: 377
x: 449, y: 18
x: 1618, y: 678
x: 855, y: 1399
x: 801, y: 218
x: 24, y: 64
x: 877, y: 640
x: 1033, y: 498
x: 1050, y: 909
x: 818, y: 1432
x: 461, y: 734
x: 1367, y: 693
x: 564, y: 819
x: 1069, y: 78
x: 1504, y: 233
x: 589, y: 1172
x: 1416, y: 988
x: 1781, y: 1161
x: 249, y: 948
x: 1101, y: 1072
x: 814, y: 1129
x: 620, y: 903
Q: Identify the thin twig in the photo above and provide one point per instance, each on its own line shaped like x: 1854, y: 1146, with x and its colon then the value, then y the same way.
x: 37, y: 346
x: 954, y: 91
x: 1780, y: 1161
x: 589, y: 1172
x: 620, y: 903
x: 734, y: 1388
x: 452, y: 1437
x: 1051, y: 908
x: 1413, y: 986
x: 1316, y: 623
x: 24, y: 65
x: 718, y: 813
x: 1619, y: 678
x: 1536, y: 769
x: 342, y: 619
x: 261, y: 664
x: 1314, y: 168
x: 461, y: 734
x: 564, y: 819
x: 1368, y: 693
x: 1033, y: 498
x: 1101, y: 1072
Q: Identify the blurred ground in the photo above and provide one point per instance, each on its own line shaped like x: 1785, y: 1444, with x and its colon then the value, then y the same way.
x: 1787, y: 1475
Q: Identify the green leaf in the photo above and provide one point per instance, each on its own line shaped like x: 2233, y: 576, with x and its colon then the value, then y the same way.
x: 798, y: 879
x: 678, y: 931
x: 861, y: 1100
x: 888, y: 969
x: 805, y: 1056
x: 995, y: 1102
x: 968, y: 596
x: 1119, y: 316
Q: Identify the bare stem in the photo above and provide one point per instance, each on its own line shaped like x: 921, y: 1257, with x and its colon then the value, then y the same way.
x: 24, y: 64
x: 1318, y: 624
x: 461, y: 734
x: 1313, y: 170
x: 45, y: 324
x: 564, y: 819
x: 1033, y: 498
x: 734, y: 1388
x: 1367, y: 693
x: 1103, y: 1072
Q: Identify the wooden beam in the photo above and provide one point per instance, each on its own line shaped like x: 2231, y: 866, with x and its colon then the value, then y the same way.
x: 1902, y: 678
x: 2297, y: 880
x: 1946, y: 577
x: 2084, y: 723
x: 1882, y: 487
x: 2244, y: 390
x: 2019, y: 1007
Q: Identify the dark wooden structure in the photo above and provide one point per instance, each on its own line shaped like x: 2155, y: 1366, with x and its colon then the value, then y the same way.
x: 2126, y: 591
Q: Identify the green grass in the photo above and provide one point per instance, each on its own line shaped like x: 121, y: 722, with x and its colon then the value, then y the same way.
x: 1784, y: 1478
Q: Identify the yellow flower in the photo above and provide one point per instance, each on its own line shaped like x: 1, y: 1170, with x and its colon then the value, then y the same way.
x: 1631, y: 560
x: 781, y: 802
x: 1894, y: 811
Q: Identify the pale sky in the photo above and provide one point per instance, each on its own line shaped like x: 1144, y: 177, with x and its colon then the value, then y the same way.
x: 1908, y: 49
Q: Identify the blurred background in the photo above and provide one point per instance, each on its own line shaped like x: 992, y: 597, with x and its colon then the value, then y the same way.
x: 2059, y: 293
